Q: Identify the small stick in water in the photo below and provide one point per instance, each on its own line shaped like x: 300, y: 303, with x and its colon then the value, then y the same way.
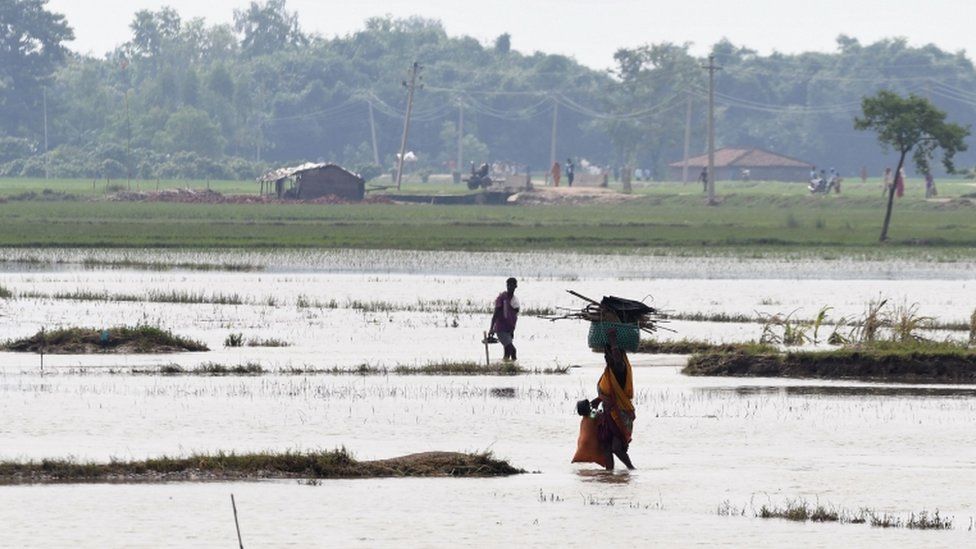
x: 487, y: 360
x: 236, y: 524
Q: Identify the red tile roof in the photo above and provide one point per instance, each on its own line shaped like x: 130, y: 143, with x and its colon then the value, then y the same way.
x: 744, y: 158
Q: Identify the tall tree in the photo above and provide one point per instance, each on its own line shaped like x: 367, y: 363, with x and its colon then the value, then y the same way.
x: 268, y: 28
x: 910, y: 125
x: 31, y: 49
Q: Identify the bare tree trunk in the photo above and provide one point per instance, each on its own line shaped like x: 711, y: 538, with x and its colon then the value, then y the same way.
x: 891, y: 196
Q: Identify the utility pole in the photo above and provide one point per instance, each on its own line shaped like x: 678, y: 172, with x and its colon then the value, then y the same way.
x: 711, y: 67
x: 45, y: 149
x: 460, y: 136
x: 684, y: 165
x: 406, y: 121
x: 372, y: 131
x: 128, y: 144
x: 552, y: 142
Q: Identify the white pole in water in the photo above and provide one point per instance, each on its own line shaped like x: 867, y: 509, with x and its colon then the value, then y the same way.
x: 233, y: 504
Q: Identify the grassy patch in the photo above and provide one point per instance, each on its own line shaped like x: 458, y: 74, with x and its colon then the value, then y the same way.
x: 232, y: 467
x: 119, y: 339
x: 667, y: 217
x: 909, y: 361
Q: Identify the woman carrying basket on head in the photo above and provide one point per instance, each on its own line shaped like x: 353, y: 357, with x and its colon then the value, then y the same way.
x: 608, y: 434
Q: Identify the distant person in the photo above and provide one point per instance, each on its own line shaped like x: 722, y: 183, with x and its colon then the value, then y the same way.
x: 557, y: 172
x: 505, y: 317
x: 900, y: 183
x: 930, y: 191
x: 886, y: 185
x: 864, y: 174
x: 813, y: 173
x: 570, y: 171
x: 703, y: 177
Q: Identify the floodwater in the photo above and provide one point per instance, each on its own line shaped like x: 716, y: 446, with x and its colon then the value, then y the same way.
x: 700, y: 443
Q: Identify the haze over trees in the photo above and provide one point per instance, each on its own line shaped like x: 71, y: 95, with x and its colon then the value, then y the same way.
x: 183, y: 98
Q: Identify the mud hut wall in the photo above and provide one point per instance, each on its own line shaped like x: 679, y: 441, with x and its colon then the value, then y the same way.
x: 318, y: 183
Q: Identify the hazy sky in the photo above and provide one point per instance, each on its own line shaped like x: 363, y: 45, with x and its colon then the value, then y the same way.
x: 588, y: 30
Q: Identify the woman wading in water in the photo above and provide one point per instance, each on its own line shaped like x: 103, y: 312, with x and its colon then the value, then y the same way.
x: 608, y: 434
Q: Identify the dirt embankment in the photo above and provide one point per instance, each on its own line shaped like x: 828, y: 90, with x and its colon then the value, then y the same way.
x: 867, y: 365
x: 191, y: 196
x: 117, y: 340
x: 336, y: 464
x: 570, y: 196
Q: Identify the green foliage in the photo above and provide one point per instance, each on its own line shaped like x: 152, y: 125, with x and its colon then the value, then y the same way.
x: 191, y: 130
x: 31, y: 49
x: 912, y: 124
x: 908, y: 125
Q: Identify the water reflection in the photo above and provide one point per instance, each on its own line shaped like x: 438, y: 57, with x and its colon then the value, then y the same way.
x: 849, y: 390
x: 617, y: 476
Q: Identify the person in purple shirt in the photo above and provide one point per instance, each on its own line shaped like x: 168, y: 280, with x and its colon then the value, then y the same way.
x: 504, y: 318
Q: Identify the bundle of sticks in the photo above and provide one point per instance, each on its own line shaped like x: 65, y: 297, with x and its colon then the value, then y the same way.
x: 614, y: 309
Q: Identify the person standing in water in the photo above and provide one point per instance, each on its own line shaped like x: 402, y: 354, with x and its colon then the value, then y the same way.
x: 607, y: 433
x: 505, y: 317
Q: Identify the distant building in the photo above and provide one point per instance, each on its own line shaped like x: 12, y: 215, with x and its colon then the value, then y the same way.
x: 311, y: 181
x: 744, y: 164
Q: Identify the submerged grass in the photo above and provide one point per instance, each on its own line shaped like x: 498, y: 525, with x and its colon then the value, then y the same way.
x: 799, y: 510
x: 256, y: 466
x: 207, y: 369
x: 431, y: 369
x: 118, y: 339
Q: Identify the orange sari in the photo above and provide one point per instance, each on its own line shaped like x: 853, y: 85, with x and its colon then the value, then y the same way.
x: 618, y: 403
x: 617, y: 400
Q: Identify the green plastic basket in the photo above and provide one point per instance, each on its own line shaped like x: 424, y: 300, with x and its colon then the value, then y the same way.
x: 628, y: 335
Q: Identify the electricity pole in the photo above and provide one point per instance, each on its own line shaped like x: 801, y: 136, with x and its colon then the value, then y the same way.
x: 45, y: 153
x: 460, y: 137
x: 711, y: 67
x: 128, y: 144
x: 406, y: 121
x: 552, y: 142
x: 372, y: 131
x: 684, y: 167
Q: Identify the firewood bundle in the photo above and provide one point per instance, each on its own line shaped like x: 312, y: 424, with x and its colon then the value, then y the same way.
x: 613, y: 309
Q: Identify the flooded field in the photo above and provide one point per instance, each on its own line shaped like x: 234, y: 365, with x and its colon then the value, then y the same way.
x: 701, y: 444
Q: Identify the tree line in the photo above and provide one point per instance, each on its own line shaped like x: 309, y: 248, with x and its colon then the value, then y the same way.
x: 186, y: 99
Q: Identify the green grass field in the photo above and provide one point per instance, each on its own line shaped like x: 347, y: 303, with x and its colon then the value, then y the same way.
x: 764, y: 216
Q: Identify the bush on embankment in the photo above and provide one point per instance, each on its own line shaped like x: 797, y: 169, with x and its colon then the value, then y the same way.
x: 918, y: 362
